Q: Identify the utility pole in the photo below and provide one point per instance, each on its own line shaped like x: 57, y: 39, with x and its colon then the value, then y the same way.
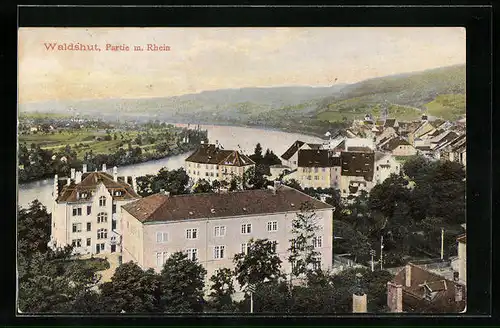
x: 442, y: 243
x: 381, y: 251
x: 251, y: 289
x: 372, y: 253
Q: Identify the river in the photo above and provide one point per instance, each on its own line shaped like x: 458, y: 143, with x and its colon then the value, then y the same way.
x: 230, y: 137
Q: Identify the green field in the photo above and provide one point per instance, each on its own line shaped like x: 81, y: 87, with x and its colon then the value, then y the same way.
x: 356, y: 109
x: 76, y: 138
x: 448, y: 106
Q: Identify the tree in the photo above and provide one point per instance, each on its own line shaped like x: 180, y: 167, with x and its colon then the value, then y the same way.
x: 416, y: 167
x: 202, y: 186
x: 302, y: 251
x: 132, y: 290
x: 270, y: 158
x: 222, y: 290
x: 182, y: 281
x: 352, y: 242
x: 384, y: 197
x: 257, y: 154
x: 33, y: 228
x: 174, y: 181
x: 259, y: 264
x: 253, y: 178
x: 269, y: 297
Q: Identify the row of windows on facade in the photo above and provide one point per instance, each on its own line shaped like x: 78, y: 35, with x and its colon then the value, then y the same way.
x: 78, y: 242
x: 77, y: 210
x: 316, y: 177
x: 101, y: 233
x: 219, y: 251
x: 219, y: 231
x: 316, y: 169
x: 210, y: 167
x: 101, y: 218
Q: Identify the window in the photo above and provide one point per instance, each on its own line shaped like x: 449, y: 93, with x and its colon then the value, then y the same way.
x: 77, y: 227
x: 206, y: 174
x: 220, y: 231
x: 89, y: 241
x: 316, y: 177
x: 189, y: 171
x: 219, y: 252
x: 272, y: 226
x: 192, y: 233
x: 89, y: 226
x: 323, y: 170
x: 76, y: 242
x: 317, y: 241
x: 317, y: 263
x: 102, y: 233
x: 113, y: 224
x: 161, y: 258
x: 113, y: 209
x: 308, y: 177
x: 161, y: 237
x: 274, y: 246
x: 245, y: 247
x: 192, y: 254
x: 246, y: 228
x: 89, y: 210
x: 77, y: 211
x: 102, y: 201
x: 315, y: 170
x: 102, y: 217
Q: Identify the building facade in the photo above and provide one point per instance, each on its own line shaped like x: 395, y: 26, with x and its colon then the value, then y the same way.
x: 212, y: 162
x: 356, y: 172
x: 317, y: 169
x: 85, y: 210
x: 212, y: 228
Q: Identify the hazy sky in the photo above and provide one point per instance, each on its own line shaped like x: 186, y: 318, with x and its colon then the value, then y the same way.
x: 217, y: 58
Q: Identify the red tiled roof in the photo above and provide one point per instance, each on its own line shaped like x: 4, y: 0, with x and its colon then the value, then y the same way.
x: 162, y: 208
x: 414, y: 296
x: 89, y: 183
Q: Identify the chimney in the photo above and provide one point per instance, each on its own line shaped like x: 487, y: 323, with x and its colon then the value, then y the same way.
x: 84, y: 169
x: 134, y: 184
x: 73, y: 174
x: 394, y: 297
x: 55, y: 193
x: 202, y: 142
x: 115, y: 174
x: 408, y: 275
x: 78, y: 177
x: 104, y: 167
x: 358, y: 303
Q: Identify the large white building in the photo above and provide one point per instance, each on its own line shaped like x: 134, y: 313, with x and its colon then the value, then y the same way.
x: 86, y: 210
x: 211, y: 228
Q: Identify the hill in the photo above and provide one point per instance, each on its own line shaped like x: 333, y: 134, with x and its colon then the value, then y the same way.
x: 441, y: 91
x: 300, y: 108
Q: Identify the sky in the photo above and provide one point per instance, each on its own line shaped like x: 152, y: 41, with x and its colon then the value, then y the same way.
x: 203, y: 59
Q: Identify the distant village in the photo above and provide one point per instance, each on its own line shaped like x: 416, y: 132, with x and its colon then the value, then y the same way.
x: 100, y: 212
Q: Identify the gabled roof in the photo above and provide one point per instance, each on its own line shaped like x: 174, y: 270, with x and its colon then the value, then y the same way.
x: 163, y: 208
x: 292, y: 150
x: 212, y: 154
x: 314, y: 145
x: 414, y: 300
x: 357, y: 164
x: 395, y: 142
x: 90, y: 182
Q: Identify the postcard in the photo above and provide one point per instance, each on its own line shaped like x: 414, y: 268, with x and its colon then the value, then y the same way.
x: 241, y: 170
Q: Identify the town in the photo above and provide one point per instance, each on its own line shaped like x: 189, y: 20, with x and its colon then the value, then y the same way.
x: 372, y: 219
